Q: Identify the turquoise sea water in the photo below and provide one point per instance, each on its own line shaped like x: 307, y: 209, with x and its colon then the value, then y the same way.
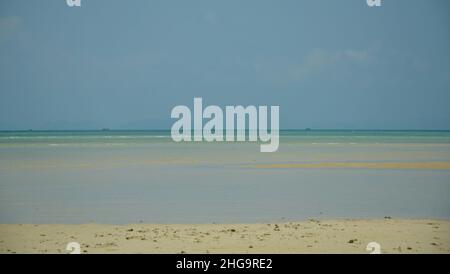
x: 130, y: 176
x: 144, y: 136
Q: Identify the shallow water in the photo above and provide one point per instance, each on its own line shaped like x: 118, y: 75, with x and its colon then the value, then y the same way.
x: 133, y: 176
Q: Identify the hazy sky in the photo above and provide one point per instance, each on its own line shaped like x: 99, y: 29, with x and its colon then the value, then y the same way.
x: 125, y: 64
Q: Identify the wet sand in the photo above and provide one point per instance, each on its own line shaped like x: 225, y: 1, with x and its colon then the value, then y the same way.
x: 312, y: 236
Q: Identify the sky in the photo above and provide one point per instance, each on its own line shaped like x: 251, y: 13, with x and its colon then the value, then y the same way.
x: 125, y: 64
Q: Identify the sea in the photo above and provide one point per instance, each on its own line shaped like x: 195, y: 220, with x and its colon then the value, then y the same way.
x: 143, y: 176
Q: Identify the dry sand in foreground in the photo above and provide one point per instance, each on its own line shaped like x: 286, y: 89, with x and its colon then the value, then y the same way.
x: 327, y: 236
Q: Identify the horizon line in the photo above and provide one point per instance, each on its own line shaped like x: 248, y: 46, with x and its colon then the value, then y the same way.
x: 165, y: 129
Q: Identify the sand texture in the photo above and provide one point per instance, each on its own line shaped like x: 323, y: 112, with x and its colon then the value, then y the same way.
x: 312, y: 236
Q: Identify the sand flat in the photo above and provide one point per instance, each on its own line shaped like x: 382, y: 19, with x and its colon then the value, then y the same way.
x: 363, y: 165
x: 313, y: 236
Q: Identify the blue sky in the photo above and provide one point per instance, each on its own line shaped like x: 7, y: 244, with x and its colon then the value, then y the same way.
x: 125, y: 64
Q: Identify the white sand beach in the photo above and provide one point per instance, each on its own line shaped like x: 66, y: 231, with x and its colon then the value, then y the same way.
x: 313, y: 236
